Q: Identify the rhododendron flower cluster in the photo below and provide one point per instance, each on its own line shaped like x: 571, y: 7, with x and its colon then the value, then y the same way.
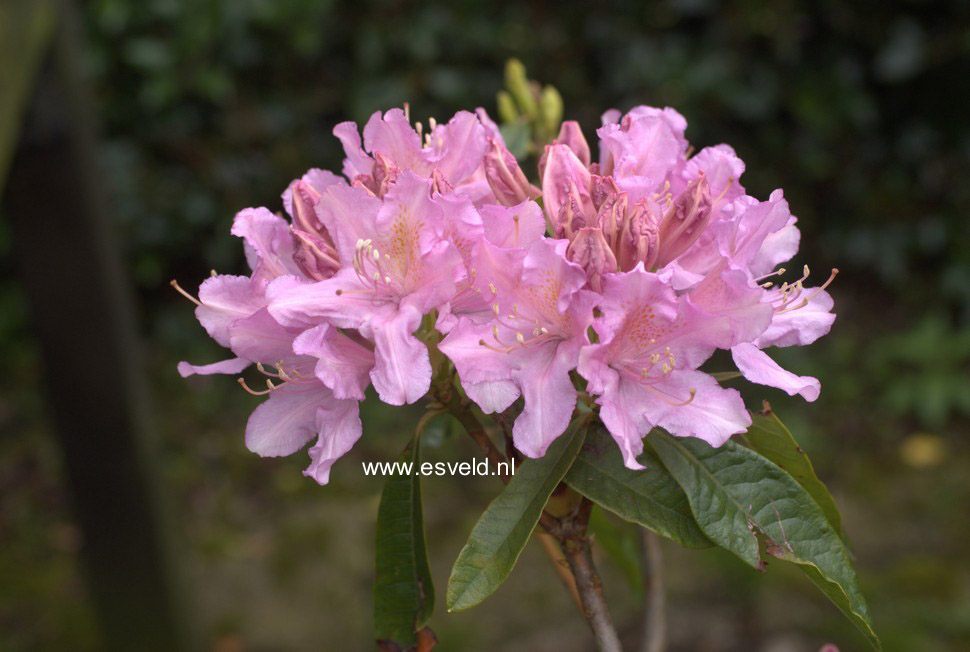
x: 610, y: 281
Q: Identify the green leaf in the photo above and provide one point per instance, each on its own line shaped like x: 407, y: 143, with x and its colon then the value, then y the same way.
x: 621, y: 544
x: 501, y: 533
x: 651, y: 498
x: 403, y: 589
x: 738, y: 496
x: 769, y: 436
x: 517, y: 137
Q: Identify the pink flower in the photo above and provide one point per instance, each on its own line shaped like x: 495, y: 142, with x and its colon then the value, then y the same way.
x: 399, y: 267
x: 756, y: 238
x: 642, y: 370
x: 455, y: 150
x: 314, y: 389
x: 650, y: 211
x: 468, y: 229
x: 799, y: 316
x: 305, y: 398
x: 538, y: 325
x: 690, y: 220
x: 645, y: 147
x: 672, y: 253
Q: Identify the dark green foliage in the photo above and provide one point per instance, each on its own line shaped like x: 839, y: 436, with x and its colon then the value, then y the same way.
x: 651, y: 498
x: 501, y: 533
x: 403, y: 588
x: 747, y: 504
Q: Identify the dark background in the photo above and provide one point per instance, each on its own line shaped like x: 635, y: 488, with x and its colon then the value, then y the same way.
x: 860, y: 111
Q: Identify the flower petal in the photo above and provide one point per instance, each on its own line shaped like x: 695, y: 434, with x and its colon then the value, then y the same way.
x: 550, y: 396
x: 357, y: 162
x: 721, y: 167
x: 318, y: 179
x: 475, y: 362
x: 713, y: 414
x: 342, y: 299
x: 349, y: 214
x: 755, y: 224
x: 342, y: 364
x: 231, y: 366
x: 225, y: 299
x: 757, y: 367
x: 458, y: 146
x: 394, y: 137
x: 270, y: 245
x: 800, y: 326
x: 623, y: 415
x: 565, y: 180
x: 513, y: 226
x: 339, y: 427
x: 261, y: 338
x: 286, y: 421
x: 402, y: 369
x: 778, y: 247
x: 492, y: 396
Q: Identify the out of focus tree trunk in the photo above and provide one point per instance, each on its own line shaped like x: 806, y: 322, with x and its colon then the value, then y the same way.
x: 82, y: 316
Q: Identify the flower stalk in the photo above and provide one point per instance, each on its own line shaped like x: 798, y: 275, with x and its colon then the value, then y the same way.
x: 575, y: 542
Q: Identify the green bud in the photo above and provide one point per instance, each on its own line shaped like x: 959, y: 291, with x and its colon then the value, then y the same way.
x: 518, y: 85
x: 550, y: 111
x: 506, y: 107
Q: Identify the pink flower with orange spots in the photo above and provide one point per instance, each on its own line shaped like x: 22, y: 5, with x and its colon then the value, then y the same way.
x: 396, y: 266
x: 642, y: 370
x: 530, y: 343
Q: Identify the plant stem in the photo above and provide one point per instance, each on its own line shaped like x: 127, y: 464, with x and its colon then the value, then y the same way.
x: 553, y: 551
x: 576, y: 546
x: 654, y: 622
x: 569, y: 531
x: 461, y: 410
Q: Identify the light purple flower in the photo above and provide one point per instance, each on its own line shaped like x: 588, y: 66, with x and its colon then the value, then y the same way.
x: 662, y: 253
x: 455, y: 150
x: 399, y: 268
x: 305, y: 399
x: 531, y: 343
x: 642, y: 370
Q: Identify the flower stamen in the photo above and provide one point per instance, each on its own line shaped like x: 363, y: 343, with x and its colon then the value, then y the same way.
x: 185, y: 294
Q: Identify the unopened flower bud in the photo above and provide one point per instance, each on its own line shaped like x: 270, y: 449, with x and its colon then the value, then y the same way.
x: 571, y: 216
x: 686, y: 219
x: 601, y: 188
x: 590, y: 250
x: 610, y: 216
x: 385, y: 173
x: 572, y: 137
x: 305, y: 197
x: 565, y: 191
x: 505, y: 177
x: 518, y: 85
x: 439, y: 185
x: 315, y: 256
x: 507, y: 111
x: 550, y: 110
x: 365, y: 182
x: 639, y: 239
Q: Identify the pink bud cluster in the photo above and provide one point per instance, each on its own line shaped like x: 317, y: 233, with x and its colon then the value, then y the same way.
x: 621, y: 276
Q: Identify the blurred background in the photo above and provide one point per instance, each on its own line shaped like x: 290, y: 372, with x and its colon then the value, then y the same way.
x: 150, y: 123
